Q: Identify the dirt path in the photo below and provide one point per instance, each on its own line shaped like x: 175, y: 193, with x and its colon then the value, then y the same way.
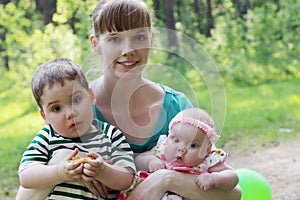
x: 279, y: 164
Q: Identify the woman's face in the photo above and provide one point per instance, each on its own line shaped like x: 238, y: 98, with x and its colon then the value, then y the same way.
x: 125, y: 53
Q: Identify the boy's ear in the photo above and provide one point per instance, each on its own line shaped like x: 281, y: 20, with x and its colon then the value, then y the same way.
x: 92, y: 96
x: 94, y: 43
x: 43, y: 116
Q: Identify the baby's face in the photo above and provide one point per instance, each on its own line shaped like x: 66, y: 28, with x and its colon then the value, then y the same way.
x: 184, y: 144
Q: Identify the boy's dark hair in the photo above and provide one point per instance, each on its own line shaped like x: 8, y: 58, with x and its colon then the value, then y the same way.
x: 55, y: 71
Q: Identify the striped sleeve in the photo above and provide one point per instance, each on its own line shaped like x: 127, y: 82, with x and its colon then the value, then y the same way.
x: 38, y: 150
x: 122, y: 154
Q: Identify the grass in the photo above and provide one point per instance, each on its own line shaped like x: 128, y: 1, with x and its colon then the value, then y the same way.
x: 19, y: 121
x: 255, y: 118
x: 261, y: 115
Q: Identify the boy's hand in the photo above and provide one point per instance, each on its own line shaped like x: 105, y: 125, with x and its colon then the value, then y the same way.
x: 68, y: 170
x: 93, y: 167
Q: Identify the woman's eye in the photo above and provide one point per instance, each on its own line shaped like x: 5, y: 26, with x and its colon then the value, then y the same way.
x: 56, y: 108
x: 140, y: 38
x: 114, y: 39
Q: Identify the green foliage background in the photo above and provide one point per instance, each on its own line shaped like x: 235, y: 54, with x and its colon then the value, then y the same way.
x: 257, y: 47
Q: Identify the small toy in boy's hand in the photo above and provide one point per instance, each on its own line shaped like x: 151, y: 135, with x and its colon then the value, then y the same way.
x: 81, y: 160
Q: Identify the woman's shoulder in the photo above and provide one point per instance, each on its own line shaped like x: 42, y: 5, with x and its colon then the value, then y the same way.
x: 175, y: 99
x: 93, y: 84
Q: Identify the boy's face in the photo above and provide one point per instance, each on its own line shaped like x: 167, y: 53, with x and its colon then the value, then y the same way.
x: 125, y: 52
x: 184, y: 144
x: 68, y: 108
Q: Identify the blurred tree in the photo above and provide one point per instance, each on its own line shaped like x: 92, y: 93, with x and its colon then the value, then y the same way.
x: 170, y: 25
x: 209, y: 18
x: 47, y: 8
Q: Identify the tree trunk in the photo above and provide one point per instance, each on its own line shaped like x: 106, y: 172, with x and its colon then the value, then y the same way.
x: 170, y: 25
x: 156, y: 6
x: 5, y: 57
x: 209, y: 18
x: 48, y: 8
x: 247, y: 6
x: 4, y: 2
x: 198, y: 15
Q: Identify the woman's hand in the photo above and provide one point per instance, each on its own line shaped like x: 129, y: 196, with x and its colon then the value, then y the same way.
x: 152, y: 188
x: 97, y: 188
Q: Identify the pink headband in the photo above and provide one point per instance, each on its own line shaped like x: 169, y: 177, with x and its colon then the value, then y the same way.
x: 209, y: 131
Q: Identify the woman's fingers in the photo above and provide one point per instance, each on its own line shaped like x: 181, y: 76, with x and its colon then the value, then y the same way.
x: 97, y: 188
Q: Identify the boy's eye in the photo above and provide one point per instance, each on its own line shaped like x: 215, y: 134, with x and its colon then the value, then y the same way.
x: 56, y: 108
x: 193, y: 145
x: 76, y: 100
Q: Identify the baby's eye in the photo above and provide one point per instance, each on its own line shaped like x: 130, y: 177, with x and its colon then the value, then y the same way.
x: 175, y: 140
x: 193, y: 145
x: 55, y: 108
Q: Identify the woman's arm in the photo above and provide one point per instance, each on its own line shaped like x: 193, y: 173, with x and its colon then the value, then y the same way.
x: 183, y: 184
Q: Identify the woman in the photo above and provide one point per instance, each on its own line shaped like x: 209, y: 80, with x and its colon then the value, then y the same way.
x: 140, y: 108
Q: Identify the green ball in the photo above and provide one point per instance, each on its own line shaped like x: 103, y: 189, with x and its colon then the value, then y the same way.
x: 254, y: 186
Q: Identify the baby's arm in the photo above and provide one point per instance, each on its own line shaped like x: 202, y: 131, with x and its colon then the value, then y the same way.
x: 148, y: 161
x: 41, y: 176
x: 115, y: 177
x: 220, y: 176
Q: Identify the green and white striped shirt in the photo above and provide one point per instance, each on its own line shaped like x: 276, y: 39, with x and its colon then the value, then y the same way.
x: 108, y: 142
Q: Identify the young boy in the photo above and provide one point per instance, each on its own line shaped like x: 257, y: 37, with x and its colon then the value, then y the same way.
x: 65, y: 101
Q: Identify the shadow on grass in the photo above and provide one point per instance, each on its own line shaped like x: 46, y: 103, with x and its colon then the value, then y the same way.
x: 29, y: 110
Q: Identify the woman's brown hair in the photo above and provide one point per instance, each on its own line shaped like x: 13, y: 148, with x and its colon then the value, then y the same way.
x: 120, y: 15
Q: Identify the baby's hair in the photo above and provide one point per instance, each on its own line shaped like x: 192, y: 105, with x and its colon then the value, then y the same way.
x: 201, y: 119
x: 120, y: 15
x: 55, y: 71
x: 198, y: 114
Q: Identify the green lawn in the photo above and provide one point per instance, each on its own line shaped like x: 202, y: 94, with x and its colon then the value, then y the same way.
x: 257, y: 116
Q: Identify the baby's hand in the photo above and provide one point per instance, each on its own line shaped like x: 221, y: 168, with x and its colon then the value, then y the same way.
x: 70, y: 170
x: 92, y: 168
x: 155, y: 164
x: 205, y: 181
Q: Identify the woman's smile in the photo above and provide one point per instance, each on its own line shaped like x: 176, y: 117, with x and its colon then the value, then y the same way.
x: 128, y: 65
